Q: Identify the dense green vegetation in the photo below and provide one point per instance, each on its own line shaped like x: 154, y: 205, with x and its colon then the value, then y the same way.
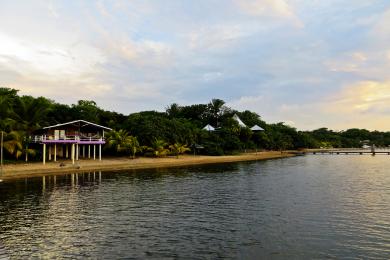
x: 169, y: 132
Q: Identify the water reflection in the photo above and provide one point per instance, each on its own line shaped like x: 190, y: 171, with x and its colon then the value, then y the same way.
x: 296, y: 208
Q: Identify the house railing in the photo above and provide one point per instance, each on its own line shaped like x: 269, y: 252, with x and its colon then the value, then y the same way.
x: 41, y: 138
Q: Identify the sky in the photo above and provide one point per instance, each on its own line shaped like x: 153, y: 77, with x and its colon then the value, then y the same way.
x: 308, y: 63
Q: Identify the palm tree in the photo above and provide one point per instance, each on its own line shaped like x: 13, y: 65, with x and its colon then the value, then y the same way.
x: 7, y: 100
x: 132, y: 144
x: 216, y: 109
x: 29, y: 113
x: 122, y: 141
x: 178, y: 149
x: 173, y: 110
x: 28, y: 151
x: 13, y: 143
x: 117, y: 139
x: 158, y: 147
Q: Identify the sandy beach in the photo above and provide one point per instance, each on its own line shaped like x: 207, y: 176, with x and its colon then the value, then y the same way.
x: 14, y: 171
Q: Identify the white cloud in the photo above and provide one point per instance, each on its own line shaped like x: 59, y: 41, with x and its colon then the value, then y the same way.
x: 366, y: 97
x: 216, y: 37
x: 269, y: 8
x: 48, y: 59
x: 349, y: 62
x: 381, y: 28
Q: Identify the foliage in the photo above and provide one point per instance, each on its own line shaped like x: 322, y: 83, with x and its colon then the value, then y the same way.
x: 178, y: 149
x: 13, y: 144
x: 158, y: 148
x: 20, y: 116
x: 121, y: 141
x: 132, y: 145
x: 117, y: 139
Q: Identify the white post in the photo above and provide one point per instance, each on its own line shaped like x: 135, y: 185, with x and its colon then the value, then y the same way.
x: 26, y: 152
x: 77, y: 152
x: 89, y: 151
x: 67, y: 151
x: 55, y: 152
x: 83, y: 151
x: 44, y: 153
x: 72, y: 154
x: 100, y: 152
x: 49, y: 152
x: 94, y: 152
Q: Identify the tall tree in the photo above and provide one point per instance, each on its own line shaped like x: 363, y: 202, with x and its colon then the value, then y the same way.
x: 87, y: 110
x: 7, y: 99
x: 173, y: 110
x: 30, y: 113
x: 216, y: 110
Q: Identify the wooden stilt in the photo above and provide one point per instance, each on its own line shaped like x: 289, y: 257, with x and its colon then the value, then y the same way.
x: 44, y: 153
x: 55, y: 152
x: 100, y: 152
x: 72, y: 154
x: 26, y: 152
x: 94, y: 152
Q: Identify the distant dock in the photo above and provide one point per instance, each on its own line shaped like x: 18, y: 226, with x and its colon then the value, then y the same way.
x: 350, y: 151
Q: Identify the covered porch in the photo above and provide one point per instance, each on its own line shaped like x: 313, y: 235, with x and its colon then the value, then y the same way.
x: 72, y: 140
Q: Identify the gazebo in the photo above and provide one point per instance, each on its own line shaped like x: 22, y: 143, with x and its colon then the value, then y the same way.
x: 256, y: 128
x: 239, y: 121
x: 78, y: 136
x: 209, y: 128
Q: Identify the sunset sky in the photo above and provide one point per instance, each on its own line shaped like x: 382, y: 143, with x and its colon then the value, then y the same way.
x: 309, y: 63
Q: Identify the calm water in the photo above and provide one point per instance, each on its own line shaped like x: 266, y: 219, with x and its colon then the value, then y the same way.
x: 316, y: 206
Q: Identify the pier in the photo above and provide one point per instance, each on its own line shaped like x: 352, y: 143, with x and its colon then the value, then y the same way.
x: 351, y: 151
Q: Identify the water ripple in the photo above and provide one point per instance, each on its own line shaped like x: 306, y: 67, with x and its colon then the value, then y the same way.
x: 304, y: 207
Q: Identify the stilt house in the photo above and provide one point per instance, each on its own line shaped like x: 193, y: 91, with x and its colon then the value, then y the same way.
x: 72, y: 140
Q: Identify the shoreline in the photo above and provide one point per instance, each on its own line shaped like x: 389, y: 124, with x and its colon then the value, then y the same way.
x: 36, y: 169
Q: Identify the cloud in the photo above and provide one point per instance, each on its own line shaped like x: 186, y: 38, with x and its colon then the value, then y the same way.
x: 48, y: 59
x: 218, y: 36
x: 349, y: 62
x: 255, y: 54
x: 367, y: 97
x: 269, y: 8
x: 364, y: 104
x: 381, y: 28
x: 266, y: 7
x: 274, y: 111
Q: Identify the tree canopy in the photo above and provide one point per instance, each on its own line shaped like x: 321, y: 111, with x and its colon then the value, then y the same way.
x: 20, y: 116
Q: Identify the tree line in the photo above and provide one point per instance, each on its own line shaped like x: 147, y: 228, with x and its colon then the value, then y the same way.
x: 176, y: 130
